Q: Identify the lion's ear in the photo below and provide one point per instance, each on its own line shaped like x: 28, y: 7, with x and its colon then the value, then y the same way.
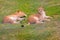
x: 18, y: 11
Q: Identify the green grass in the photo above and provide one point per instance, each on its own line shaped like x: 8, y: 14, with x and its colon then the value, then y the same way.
x: 46, y: 31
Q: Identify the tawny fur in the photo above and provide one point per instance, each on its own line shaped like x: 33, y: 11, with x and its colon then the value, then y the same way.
x: 14, y: 18
x: 34, y: 18
x: 39, y: 17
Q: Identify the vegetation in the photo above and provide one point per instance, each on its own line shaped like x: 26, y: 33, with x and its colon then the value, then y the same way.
x: 46, y: 31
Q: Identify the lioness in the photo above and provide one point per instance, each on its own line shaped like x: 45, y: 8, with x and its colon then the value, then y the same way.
x: 39, y: 17
x: 14, y: 18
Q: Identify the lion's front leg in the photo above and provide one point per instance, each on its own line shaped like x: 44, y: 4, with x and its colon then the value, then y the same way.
x: 16, y: 22
x: 48, y: 17
x: 47, y: 20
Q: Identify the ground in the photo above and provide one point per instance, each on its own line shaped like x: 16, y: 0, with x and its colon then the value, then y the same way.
x: 46, y: 31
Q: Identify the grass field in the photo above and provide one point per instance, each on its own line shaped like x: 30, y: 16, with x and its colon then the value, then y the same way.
x: 46, y: 31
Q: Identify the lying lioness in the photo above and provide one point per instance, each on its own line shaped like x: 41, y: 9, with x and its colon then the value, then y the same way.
x: 39, y: 17
x: 14, y: 18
